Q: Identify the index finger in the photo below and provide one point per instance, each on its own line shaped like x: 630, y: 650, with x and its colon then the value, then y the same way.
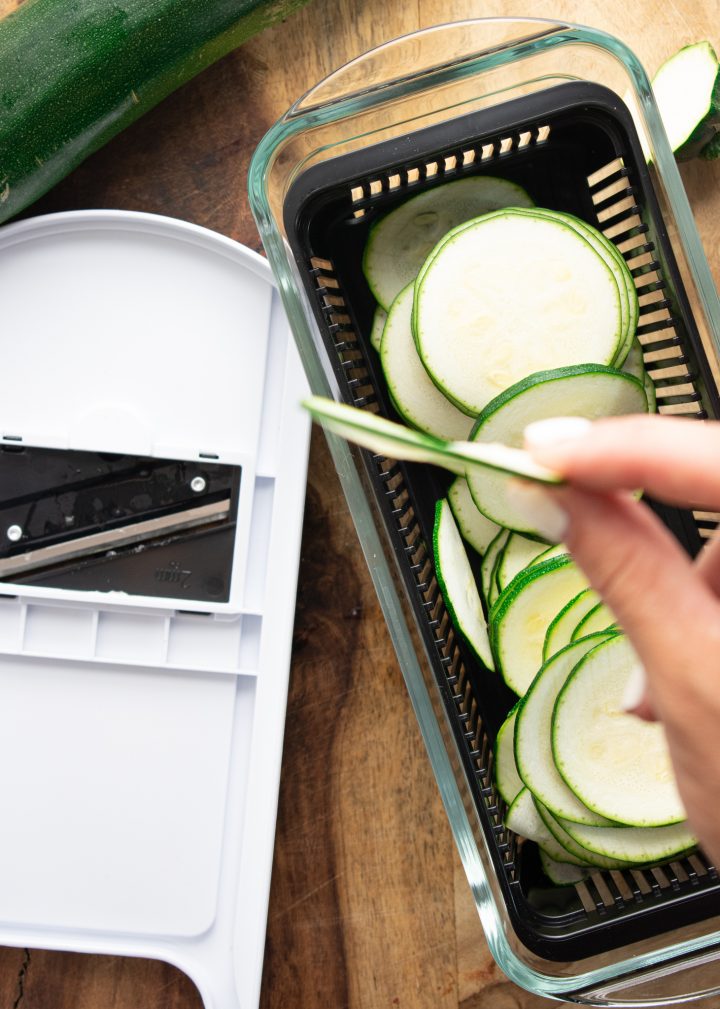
x: 675, y: 460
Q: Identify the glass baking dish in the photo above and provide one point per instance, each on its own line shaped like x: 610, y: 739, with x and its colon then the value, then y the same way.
x: 548, y: 105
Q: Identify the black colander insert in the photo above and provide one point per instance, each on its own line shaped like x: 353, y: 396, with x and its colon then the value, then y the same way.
x: 573, y: 148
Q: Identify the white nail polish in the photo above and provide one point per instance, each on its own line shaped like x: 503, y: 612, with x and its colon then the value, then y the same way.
x: 555, y: 430
x: 538, y: 509
x: 634, y: 689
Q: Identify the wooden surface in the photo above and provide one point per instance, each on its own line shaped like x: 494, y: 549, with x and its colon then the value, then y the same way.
x: 369, y: 906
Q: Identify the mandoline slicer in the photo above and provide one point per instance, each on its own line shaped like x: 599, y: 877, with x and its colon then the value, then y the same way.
x: 153, y: 461
x: 543, y: 104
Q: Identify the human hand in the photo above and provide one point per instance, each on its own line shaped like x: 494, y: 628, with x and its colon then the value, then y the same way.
x: 668, y: 604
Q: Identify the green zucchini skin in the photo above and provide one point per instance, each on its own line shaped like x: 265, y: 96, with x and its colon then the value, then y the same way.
x: 74, y: 73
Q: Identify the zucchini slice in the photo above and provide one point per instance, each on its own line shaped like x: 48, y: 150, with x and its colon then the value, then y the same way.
x: 637, y: 845
x: 518, y: 554
x: 686, y: 89
x: 508, y: 294
x: 400, y: 242
x: 414, y: 396
x: 629, y: 304
x: 457, y: 584
x: 616, y: 764
x: 574, y: 849
x: 598, y: 618
x: 588, y: 390
x: 507, y: 780
x: 562, y: 873
x: 378, y: 325
x: 494, y: 589
x: 487, y: 568
x: 476, y: 529
x: 524, y: 819
x: 385, y: 437
x: 522, y: 613
x: 533, y: 742
x: 560, y: 632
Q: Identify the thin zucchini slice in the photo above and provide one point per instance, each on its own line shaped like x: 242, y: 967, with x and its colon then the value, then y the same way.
x: 522, y: 613
x: 518, y: 554
x: 598, y: 618
x: 457, y: 584
x: 487, y: 568
x: 560, y: 550
x: 378, y: 325
x: 400, y: 242
x: 634, y: 363
x: 637, y: 845
x: 524, y: 819
x: 562, y: 873
x: 506, y: 295
x: 533, y: 742
x: 629, y: 304
x: 494, y: 589
x: 386, y: 438
x: 415, y: 397
x: 616, y: 764
x: 686, y: 91
x: 650, y: 393
x: 588, y: 390
x: 560, y: 632
x: 568, y: 843
x: 507, y: 780
x: 475, y: 528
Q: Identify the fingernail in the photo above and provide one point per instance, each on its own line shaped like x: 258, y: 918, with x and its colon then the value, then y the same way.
x: 555, y: 430
x: 538, y: 510
x: 634, y: 689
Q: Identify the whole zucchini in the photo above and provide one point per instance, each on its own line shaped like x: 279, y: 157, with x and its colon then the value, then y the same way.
x: 73, y: 73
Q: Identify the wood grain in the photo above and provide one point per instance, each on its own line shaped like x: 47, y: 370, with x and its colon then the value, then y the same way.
x: 369, y: 906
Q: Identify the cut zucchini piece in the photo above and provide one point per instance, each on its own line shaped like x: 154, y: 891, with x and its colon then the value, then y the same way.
x: 650, y: 392
x: 636, y: 845
x: 400, y: 242
x: 475, y: 528
x: 588, y: 390
x: 415, y: 397
x: 615, y: 763
x: 629, y: 305
x: 487, y: 568
x: 494, y: 589
x: 524, y: 819
x: 635, y: 362
x: 521, y: 616
x: 598, y: 618
x: 560, y: 632
x: 686, y: 89
x: 574, y: 849
x: 562, y: 873
x: 507, y: 780
x: 385, y: 437
x: 480, y: 330
x: 457, y: 584
x: 518, y: 554
x: 560, y: 550
x: 378, y: 325
x: 533, y: 735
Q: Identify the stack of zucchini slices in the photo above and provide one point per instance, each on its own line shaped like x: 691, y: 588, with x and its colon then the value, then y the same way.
x: 493, y: 314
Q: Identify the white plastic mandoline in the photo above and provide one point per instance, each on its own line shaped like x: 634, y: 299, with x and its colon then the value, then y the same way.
x: 140, y: 747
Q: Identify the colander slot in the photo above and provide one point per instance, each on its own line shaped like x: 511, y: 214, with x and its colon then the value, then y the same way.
x: 707, y: 523
x: 675, y: 390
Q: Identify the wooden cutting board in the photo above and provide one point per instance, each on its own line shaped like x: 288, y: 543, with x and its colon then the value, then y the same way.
x: 369, y: 907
